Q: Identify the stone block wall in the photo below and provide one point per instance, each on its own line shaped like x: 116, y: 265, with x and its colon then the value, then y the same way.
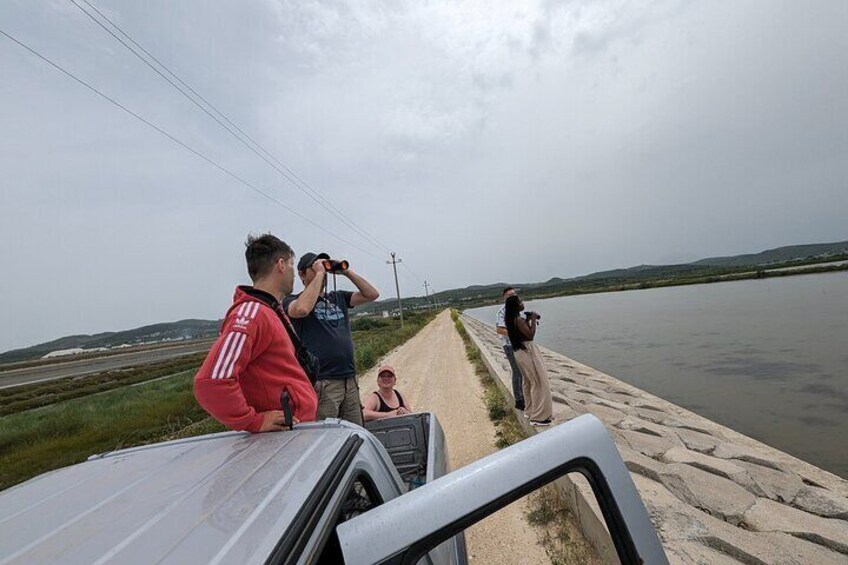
x: 714, y: 495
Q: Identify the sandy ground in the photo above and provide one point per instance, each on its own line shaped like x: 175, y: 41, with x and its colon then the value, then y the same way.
x: 434, y: 375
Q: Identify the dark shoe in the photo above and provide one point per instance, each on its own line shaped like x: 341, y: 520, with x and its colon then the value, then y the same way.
x: 519, y: 406
x: 539, y: 423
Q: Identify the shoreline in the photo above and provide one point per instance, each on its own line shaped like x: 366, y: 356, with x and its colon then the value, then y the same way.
x: 764, y: 358
x: 812, y: 269
x: 712, y: 492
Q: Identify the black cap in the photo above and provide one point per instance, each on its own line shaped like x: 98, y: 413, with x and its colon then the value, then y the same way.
x: 309, y: 258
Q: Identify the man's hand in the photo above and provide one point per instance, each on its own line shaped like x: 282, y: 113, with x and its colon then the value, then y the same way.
x: 318, y: 267
x: 275, y: 421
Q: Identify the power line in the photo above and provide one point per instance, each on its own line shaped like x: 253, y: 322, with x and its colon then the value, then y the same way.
x: 183, y: 144
x: 233, y: 129
x: 413, y: 273
x: 287, y: 173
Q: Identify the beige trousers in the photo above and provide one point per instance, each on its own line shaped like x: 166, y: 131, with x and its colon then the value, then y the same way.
x: 339, y: 398
x: 535, y: 383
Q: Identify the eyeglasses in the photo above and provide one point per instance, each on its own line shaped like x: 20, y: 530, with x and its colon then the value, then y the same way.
x: 385, y: 376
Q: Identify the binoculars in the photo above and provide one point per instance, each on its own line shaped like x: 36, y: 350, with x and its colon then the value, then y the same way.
x: 529, y: 315
x: 335, y: 266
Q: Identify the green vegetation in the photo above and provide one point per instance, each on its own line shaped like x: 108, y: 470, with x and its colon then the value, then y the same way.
x: 99, y: 413
x: 547, y: 508
x: 38, y: 440
x: 26, y: 397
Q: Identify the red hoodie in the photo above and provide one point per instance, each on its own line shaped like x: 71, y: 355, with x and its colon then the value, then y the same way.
x: 252, y: 362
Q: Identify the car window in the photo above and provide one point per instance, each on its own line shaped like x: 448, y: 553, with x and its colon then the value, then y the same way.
x: 361, y: 497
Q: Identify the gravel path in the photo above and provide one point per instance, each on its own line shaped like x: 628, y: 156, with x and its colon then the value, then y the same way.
x: 435, y: 375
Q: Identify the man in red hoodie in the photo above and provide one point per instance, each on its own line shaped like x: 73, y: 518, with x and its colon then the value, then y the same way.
x: 254, y: 360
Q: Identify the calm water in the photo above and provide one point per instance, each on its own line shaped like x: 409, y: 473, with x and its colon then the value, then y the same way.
x: 768, y: 358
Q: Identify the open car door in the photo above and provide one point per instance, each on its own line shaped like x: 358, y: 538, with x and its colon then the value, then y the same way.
x: 420, y: 520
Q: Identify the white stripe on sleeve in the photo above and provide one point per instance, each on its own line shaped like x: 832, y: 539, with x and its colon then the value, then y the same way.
x: 230, y: 351
x: 228, y: 374
x: 255, y: 309
x: 222, y: 353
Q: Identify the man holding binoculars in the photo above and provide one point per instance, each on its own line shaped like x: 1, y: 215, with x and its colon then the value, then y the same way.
x: 322, y: 321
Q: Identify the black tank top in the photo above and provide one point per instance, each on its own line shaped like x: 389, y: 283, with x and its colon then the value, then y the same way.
x: 385, y: 407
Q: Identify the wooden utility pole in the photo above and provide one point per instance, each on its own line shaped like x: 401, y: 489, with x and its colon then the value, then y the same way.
x: 394, y: 263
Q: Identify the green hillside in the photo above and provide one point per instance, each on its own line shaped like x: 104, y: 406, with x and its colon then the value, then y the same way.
x: 641, y: 276
x: 170, y: 331
x: 820, y: 251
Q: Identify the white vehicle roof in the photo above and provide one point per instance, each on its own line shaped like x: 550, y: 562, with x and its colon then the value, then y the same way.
x: 210, y: 499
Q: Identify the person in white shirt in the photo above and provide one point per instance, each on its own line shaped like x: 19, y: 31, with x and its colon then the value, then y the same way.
x: 500, y: 326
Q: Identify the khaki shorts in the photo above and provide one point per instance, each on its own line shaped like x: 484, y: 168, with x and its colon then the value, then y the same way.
x: 339, y: 398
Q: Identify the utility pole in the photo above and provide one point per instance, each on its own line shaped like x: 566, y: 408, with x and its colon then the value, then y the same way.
x: 394, y: 263
x: 427, y: 294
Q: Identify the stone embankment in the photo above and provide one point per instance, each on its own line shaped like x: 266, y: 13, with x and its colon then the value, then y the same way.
x: 714, y: 495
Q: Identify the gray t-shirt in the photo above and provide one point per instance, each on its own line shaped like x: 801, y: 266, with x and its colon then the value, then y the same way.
x: 326, y: 333
x: 501, y: 324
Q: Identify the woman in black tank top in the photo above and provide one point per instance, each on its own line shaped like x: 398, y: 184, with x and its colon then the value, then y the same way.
x: 385, y: 402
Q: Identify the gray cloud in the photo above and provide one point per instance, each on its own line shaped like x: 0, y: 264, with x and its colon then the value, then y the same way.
x: 484, y: 142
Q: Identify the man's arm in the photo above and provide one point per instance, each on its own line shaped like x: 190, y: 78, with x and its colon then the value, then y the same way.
x: 303, y: 305
x: 500, y: 324
x: 365, y: 292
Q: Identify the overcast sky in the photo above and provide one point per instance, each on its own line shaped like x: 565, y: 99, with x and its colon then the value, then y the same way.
x: 483, y: 141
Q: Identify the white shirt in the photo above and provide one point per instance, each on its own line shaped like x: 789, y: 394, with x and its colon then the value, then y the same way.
x: 501, y: 324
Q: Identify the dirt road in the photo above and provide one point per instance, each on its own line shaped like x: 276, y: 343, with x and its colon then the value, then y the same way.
x: 434, y: 375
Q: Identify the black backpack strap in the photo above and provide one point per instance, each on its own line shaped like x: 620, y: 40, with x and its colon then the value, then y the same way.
x: 308, y: 362
x: 289, y: 328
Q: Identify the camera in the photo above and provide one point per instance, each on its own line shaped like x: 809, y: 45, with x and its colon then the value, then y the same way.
x: 530, y: 315
x: 335, y: 266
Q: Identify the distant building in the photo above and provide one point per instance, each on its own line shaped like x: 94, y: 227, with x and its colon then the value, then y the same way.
x: 63, y: 352
x: 73, y: 351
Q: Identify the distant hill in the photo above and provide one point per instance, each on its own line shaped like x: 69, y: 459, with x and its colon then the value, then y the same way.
x: 474, y: 295
x: 481, y: 294
x: 780, y: 255
x: 168, y: 331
